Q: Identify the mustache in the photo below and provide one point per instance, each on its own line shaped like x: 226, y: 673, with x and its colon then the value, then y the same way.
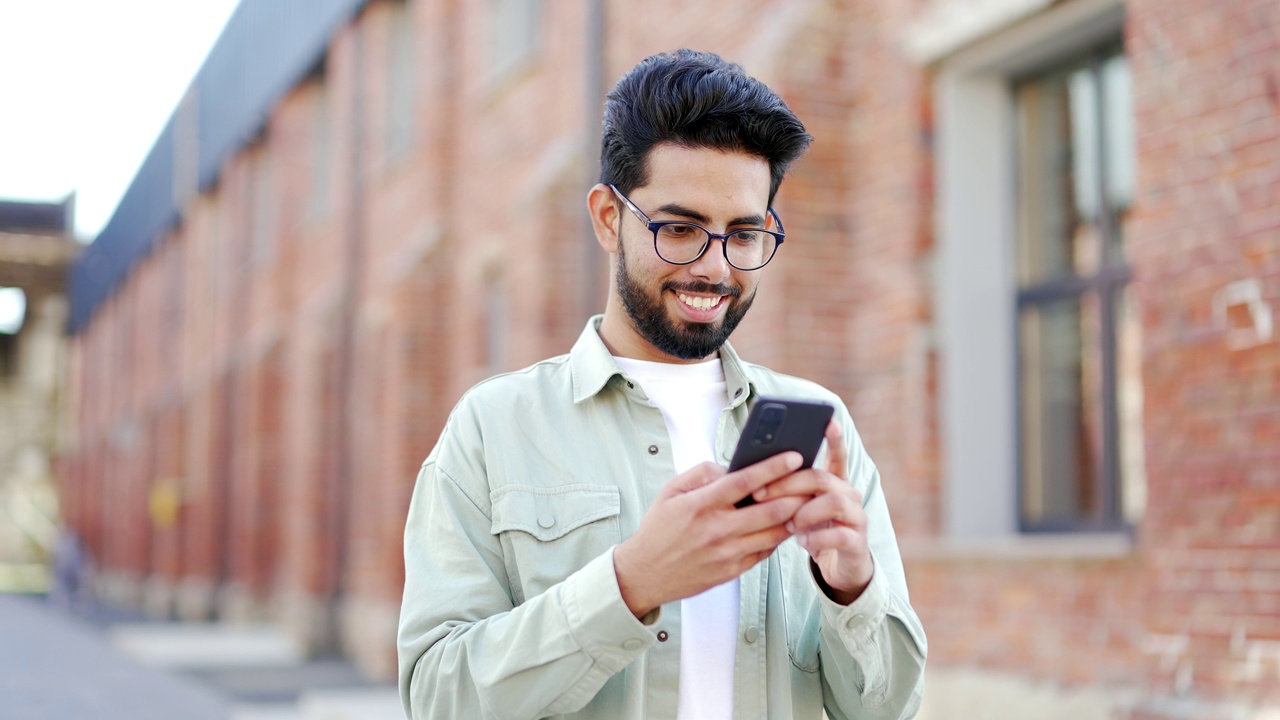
x: 707, y: 288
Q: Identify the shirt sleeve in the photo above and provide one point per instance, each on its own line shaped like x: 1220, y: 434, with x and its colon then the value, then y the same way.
x: 467, y: 650
x: 874, y: 649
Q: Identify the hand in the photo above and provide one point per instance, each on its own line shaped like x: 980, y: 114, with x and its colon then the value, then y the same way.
x: 693, y: 538
x: 831, y: 524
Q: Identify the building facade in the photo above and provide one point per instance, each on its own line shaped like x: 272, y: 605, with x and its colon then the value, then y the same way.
x: 1035, y: 246
x: 36, y: 250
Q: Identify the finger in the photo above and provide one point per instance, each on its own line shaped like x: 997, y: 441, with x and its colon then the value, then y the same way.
x: 698, y: 476
x: 736, y: 485
x: 760, y: 516
x: 764, y: 541
x: 837, y: 453
x: 829, y: 509
x: 802, y: 483
x: 836, y: 537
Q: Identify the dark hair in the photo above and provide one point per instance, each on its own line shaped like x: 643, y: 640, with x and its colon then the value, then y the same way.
x: 694, y: 99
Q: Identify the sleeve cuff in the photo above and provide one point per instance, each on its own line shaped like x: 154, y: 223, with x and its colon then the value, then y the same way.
x: 600, y: 621
x: 856, y: 625
x: 856, y: 621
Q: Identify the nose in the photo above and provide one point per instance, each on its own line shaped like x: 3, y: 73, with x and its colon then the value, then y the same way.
x: 712, y: 266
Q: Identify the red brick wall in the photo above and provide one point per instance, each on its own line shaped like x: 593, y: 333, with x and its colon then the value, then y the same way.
x: 295, y: 392
x: 1192, y: 616
x: 1209, y: 162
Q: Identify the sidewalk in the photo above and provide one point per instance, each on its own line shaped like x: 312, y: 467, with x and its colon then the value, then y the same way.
x: 113, y: 664
x: 53, y: 666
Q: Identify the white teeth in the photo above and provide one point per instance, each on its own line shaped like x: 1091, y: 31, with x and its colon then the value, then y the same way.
x: 699, y: 303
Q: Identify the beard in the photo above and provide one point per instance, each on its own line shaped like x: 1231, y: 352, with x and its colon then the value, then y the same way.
x: 684, y: 340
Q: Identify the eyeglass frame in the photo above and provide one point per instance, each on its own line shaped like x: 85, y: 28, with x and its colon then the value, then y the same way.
x: 656, y: 225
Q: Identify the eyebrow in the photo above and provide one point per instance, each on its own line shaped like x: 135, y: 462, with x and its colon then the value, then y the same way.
x: 682, y: 211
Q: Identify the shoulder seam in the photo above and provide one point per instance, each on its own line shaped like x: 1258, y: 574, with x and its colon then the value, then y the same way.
x: 557, y: 360
x: 463, y: 489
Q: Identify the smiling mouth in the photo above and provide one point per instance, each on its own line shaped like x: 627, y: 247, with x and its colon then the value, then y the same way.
x: 700, y: 303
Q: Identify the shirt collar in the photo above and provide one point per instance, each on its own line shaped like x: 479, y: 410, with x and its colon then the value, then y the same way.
x: 592, y: 367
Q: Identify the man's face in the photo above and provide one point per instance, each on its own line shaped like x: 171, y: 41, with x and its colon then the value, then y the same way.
x: 686, y: 312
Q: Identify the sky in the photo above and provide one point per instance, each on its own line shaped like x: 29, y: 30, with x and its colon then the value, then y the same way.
x: 86, y: 86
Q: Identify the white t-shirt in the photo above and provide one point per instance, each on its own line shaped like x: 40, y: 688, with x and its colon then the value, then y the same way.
x: 691, y: 398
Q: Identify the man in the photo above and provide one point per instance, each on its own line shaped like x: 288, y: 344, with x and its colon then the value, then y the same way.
x: 572, y: 547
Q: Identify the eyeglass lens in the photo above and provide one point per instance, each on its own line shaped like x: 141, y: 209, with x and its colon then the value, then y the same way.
x: 684, y: 242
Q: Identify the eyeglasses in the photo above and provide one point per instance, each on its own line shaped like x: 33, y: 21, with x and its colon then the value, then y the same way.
x: 682, y: 243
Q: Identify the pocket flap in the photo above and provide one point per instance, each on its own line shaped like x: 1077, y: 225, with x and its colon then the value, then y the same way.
x: 548, y: 513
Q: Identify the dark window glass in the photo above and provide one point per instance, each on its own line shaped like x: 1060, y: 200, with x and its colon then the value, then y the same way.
x: 1079, y: 393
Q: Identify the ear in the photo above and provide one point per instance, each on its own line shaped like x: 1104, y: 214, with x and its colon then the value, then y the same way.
x: 602, y: 204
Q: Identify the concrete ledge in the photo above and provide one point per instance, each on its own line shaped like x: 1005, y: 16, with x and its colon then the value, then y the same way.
x: 206, y: 646
x: 1066, y: 546
x: 978, y: 694
x: 1002, y: 696
x: 159, y: 598
x: 369, y: 636
x: 310, y: 620
x: 193, y: 599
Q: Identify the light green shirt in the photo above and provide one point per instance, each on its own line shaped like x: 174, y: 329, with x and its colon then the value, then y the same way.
x: 511, y: 605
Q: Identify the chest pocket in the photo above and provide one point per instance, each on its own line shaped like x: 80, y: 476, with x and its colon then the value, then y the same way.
x: 549, y: 532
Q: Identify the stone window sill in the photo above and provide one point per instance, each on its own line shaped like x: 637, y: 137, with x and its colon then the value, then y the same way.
x: 1056, y: 546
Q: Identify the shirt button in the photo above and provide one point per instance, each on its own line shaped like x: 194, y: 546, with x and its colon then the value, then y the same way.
x: 737, y: 393
x: 662, y: 636
x: 546, y: 521
x: 653, y: 449
x: 631, y: 385
x: 632, y: 645
x: 752, y: 634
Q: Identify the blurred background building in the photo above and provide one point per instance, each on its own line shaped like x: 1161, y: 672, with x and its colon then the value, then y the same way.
x: 1035, y: 246
x: 36, y: 250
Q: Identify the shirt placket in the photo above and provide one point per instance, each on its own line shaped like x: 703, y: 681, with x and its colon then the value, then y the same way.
x: 654, y: 465
x: 750, y: 677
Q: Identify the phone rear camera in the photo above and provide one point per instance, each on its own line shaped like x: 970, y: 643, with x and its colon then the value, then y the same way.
x: 770, y: 420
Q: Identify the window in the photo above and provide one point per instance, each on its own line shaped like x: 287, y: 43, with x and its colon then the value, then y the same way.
x: 515, y: 33
x: 321, y: 149
x: 1075, y: 174
x: 263, y: 206
x: 497, y: 326
x: 1040, y: 392
x: 13, y: 310
x: 401, y: 95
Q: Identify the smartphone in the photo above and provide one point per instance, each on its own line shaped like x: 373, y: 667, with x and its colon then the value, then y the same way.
x: 776, y: 425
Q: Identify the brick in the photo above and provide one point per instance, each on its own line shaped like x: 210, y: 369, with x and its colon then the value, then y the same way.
x: 293, y: 392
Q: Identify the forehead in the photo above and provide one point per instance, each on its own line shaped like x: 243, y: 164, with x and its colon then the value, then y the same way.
x: 712, y: 181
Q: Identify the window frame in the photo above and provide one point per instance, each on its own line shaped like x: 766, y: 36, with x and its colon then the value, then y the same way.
x: 975, y: 279
x: 1107, y: 283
